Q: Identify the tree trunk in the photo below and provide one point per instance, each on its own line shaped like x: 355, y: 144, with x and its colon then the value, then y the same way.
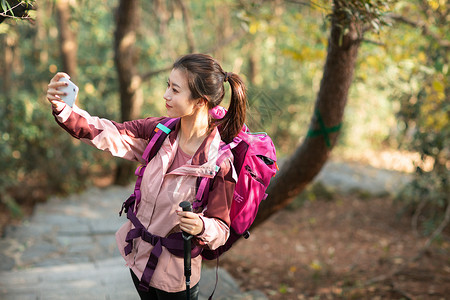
x: 40, y: 45
x: 7, y: 42
x: 309, y: 158
x: 125, y: 58
x: 162, y: 15
x: 187, y: 26
x: 68, y: 41
x: 224, y: 28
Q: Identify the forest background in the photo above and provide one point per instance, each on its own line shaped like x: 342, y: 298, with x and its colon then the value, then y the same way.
x: 398, y: 101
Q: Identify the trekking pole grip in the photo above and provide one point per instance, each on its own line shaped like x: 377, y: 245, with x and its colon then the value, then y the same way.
x: 186, y: 206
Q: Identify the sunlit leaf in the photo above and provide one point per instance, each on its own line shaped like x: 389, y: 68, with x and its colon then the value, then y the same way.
x: 438, y: 86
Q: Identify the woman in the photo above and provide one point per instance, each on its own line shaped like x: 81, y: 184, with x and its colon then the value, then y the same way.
x: 194, y: 87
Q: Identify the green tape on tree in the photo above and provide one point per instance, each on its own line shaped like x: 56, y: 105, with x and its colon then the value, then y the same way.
x: 323, y: 130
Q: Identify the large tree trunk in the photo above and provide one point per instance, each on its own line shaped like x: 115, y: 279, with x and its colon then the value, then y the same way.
x: 68, y: 40
x: 131, y: 97
x: 309, y: 158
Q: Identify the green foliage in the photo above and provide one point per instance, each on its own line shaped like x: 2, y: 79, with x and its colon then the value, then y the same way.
x: 7, y: 8
x: 12, y: 206
x: 280, y: 54
x: 422, y: 92
x: 367, y: 14
x: 36, y: 157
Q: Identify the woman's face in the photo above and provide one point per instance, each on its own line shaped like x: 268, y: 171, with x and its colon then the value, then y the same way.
x: 178, y: 96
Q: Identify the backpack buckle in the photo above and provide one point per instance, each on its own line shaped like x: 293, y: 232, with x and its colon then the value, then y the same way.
x: 148, y: 237
x: 123, y: 208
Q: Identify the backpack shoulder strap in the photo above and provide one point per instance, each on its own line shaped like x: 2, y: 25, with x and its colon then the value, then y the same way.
x: 203, y: 183
x: 158, y: 136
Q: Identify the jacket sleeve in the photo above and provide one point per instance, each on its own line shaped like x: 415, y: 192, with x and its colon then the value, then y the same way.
x: 216, y: 215
x: 126, y: 140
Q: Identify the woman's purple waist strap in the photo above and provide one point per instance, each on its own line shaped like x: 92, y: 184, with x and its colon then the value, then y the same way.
x: 174, y: 243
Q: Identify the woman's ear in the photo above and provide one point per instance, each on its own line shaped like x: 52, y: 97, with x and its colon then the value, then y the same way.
x: 202, y: 102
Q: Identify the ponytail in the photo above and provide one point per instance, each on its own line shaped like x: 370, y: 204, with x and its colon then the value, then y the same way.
x: 206, y: 80
x: 233, y: 121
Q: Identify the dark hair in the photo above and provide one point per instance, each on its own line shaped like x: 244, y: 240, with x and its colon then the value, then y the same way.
x: 206, y: 78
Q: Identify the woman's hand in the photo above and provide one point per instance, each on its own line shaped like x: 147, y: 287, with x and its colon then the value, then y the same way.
x: 53, y: 94
x: 190, y: 222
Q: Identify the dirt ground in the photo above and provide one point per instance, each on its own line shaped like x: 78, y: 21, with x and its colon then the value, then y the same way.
x: 346, y: 248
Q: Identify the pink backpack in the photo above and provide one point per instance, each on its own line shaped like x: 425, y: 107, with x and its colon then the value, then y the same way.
x: 255, y: 163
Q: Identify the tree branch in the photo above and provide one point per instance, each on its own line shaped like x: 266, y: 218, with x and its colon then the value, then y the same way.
x: 425, y: 29
x: 238, y: 35
x: 308, y: 3
x: 148, y: 75
x: 18, y: 10
x: 10, y: 11
x: 373, y: 42
x: 437, y: 232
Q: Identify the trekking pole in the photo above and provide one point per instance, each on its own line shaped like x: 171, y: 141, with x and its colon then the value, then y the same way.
x: 186, y: 205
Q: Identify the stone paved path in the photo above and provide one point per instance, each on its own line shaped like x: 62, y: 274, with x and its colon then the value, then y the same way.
x: 67, y: 249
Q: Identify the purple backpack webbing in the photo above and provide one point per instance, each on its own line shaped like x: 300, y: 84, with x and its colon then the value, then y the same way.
x: 174, y: 243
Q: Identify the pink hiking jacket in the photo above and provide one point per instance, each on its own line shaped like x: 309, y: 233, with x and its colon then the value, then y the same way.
x: 161, y: 191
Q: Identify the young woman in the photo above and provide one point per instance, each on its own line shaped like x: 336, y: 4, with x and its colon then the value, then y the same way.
x: 194, y: 87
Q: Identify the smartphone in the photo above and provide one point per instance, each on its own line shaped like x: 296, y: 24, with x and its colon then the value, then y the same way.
x: 71, y: 90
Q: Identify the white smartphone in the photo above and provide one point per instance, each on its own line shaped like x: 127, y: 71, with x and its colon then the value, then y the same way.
x: 71, y: 90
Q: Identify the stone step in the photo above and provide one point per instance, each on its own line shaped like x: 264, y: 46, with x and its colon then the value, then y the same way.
x: 108, y: 279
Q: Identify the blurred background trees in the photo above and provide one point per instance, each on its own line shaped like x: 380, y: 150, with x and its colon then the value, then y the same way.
x: 398, y: 98
x: 421, y: 90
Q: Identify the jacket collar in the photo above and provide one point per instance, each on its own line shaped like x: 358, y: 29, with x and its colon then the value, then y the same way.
x: 208, y: 149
